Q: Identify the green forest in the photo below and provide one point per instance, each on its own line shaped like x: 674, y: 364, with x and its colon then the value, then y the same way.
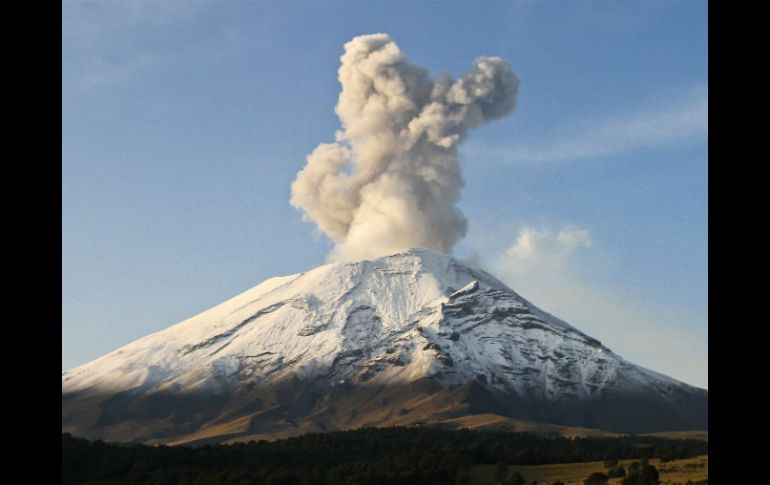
x: 364, y: 456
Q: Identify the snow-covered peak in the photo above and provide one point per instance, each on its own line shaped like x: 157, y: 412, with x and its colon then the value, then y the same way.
x: 388, y: 335
x: 411, y: 315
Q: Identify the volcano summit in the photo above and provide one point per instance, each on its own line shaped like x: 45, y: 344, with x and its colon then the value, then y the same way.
x: 412, y: 337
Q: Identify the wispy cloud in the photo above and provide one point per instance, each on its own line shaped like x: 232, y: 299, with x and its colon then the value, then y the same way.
x: 110, y: 41
x: 681, y: 120
x: 88, y: 22
x: 553, y: 270
x: 97, y: 70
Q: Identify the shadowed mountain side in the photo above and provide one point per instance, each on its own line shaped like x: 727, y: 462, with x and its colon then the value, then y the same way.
x: 293, y: 407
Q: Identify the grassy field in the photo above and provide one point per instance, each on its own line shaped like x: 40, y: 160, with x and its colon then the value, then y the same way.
x: 671, y: 473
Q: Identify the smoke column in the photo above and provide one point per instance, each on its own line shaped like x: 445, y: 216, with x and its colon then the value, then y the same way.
x: 392, y: 178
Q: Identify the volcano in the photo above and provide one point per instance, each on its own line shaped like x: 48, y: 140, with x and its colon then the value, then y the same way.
x: 414, y: 338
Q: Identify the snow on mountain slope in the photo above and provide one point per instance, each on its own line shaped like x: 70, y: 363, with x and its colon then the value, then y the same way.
x: 415, y: 315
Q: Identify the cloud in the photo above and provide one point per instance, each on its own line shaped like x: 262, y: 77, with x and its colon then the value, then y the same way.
x: 86, y: 23
x: 108, y: 42
x: 97, y: 70
x: 552, y: 269
x: 392, y: 178
x: 681, y: 120
x: 539, y: 246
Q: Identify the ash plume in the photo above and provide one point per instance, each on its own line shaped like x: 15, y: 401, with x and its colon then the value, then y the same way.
x: 392, y: 178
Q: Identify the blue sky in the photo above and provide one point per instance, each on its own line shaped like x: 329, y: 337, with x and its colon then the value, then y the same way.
x: 184, y: 124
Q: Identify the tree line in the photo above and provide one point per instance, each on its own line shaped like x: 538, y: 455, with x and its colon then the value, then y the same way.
x: 364, y: 456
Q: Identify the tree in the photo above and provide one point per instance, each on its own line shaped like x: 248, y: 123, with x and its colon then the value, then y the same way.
x: 641, y: 474
x: 616, y: 471
x: 464, y: 478
x: 501, y: 471
x: 596, y: 478
x: 516, y: 479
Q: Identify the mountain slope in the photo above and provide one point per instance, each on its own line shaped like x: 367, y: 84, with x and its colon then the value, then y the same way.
x: 416, y: 336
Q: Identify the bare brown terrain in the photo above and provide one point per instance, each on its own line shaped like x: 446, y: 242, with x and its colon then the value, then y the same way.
x: 681, y: 435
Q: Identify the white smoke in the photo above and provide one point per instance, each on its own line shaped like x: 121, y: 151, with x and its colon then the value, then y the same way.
x: 392, y: 178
